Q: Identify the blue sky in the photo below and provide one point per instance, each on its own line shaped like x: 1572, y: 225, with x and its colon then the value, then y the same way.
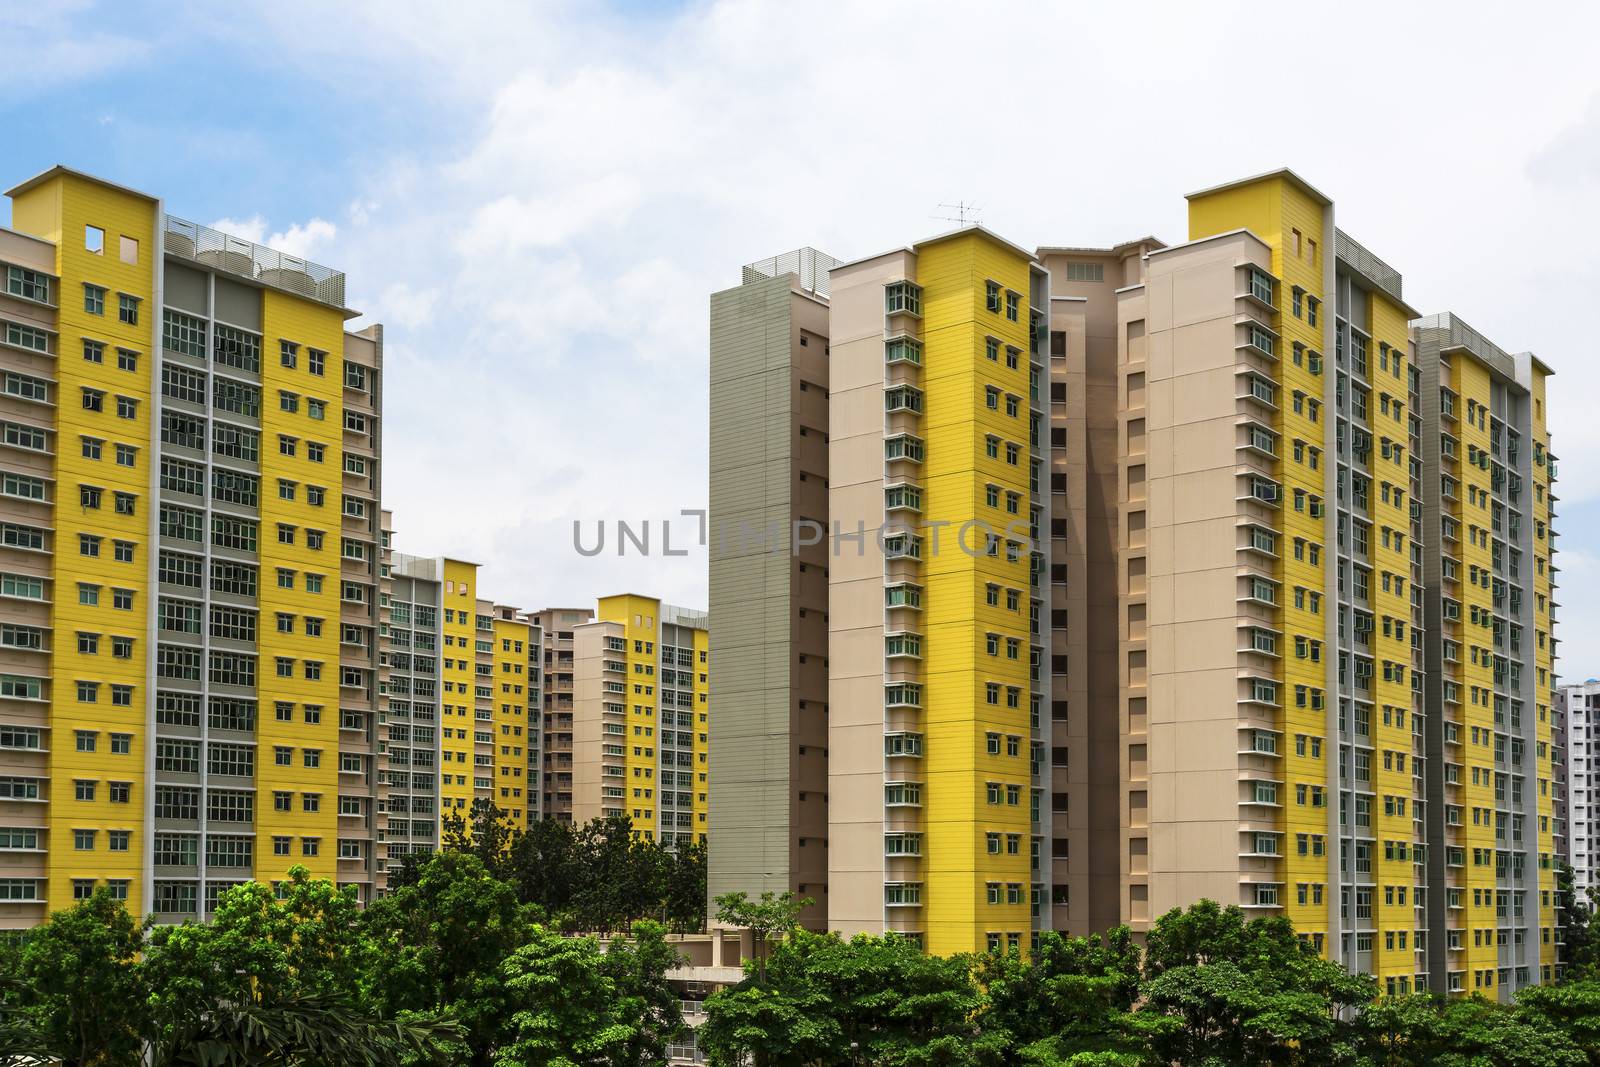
x: 536, y: 198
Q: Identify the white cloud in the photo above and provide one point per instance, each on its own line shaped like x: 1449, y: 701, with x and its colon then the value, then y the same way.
x: 575, y: 181
x: 306, y: 240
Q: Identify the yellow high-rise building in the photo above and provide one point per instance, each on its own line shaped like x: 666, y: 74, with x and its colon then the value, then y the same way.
x: 936, y: 456
x: 462, y: 691
x: 188, y: 562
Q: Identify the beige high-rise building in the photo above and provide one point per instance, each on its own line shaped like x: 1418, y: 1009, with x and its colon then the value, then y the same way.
x: 557, y: 626
x: 1085, y: 444
x: 769, y: 595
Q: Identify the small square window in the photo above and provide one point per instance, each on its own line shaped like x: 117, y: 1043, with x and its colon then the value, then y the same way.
x: 130, y: 250
x: 94, y: 240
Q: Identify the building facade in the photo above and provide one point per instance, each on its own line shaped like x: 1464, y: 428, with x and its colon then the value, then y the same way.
x: 1488, y: 500
x: 1579, y: 710
x: 558, y: 628
x: 462, y: 685
x: 1285, y: 595
x: 937, y: 598
x: 1084, y: 733
x: 769, y: 581
x: 190, y: 656
x: 641, y: 715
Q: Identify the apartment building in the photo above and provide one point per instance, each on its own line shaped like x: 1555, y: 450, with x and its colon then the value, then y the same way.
x: 1578, y: 707
x: 641, y: 715
x: 221, y: 432
x: 555, y: 778
x: 1084, y: 732
x: 1291, y: 560
x: 936, y: 595
x: 462, y: 687
x: 1298, y: 566
x: 1271, y: 700
x: 1488, y: 492
x: 769, y: 581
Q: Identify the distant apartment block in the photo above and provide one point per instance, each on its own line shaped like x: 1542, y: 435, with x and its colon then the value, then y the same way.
x: 1582, y: 771
x: 641, y: 711
x: 462, y: 687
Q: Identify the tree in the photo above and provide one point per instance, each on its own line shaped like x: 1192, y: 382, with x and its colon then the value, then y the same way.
x: 566, y: 1008
x: 638, y: 966
x: 1220, y: 989
x: 20, y: 1038
x: 685, y: 903
x: 879, y: 1000
x: 772, y: 914
x: 1474, y: 1032
x: 1580, y: 950
x: 440, y: 943
x: 767, y: 1027
x: 545, y: 866
x: 1572, y: 1007
x: 262, y: 945
x: 83, y: 991
x: 486, y: 833
x: 298, y: 1031
x: 1068, y: 1001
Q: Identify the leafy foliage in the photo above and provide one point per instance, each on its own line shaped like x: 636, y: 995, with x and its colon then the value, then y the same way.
x: 456, y: 967
x: 595, y: 878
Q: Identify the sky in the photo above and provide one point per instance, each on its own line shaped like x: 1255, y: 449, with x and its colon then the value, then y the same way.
x: 536, y: 199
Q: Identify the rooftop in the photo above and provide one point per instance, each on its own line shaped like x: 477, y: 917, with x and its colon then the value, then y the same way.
x: 807, y: 264
x: 258, y: 263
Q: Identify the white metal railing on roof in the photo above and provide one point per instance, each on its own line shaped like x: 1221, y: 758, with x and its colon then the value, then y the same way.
x: 807, y: 264
x: 1368, y: 265
x: 221, y: 251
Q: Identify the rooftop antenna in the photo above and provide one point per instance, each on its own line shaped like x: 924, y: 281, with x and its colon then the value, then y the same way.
x: 964, y: 213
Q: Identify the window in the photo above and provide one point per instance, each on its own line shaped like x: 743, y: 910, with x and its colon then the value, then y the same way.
x: 94, y: 299
x: 128, y: 309
x: 316, y: 361
x: 183, y: 334
x: 903, y: 297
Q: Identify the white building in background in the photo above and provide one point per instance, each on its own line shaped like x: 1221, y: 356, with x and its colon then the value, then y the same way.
x: 1581, y: 703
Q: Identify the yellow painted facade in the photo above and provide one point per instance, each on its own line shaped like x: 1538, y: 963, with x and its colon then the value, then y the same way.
x: 1370, y: 688
x: 976, y: 645
x: 458, y: 770
x: 512, y: 720
x: 1392, y: 589
x: 96, y: 693
x: 195, y: 726
x: 299, y: 589
x: 702, y: 736
x: 662, y: 752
